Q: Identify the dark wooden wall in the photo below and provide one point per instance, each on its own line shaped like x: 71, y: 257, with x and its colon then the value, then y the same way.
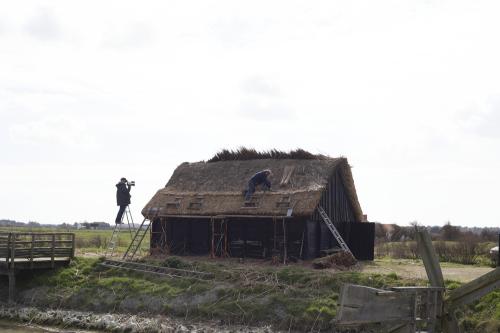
x: 336, y: 202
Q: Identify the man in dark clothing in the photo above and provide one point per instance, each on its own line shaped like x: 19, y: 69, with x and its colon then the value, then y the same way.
x: 260, y: 178
x: 122, y: 198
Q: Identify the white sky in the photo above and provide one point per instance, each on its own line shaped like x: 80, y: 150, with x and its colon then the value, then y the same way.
x: 92, y: 91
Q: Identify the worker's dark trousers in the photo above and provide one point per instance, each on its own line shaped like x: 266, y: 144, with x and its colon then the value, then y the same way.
x: 251, y: 190
x: 120, y: 214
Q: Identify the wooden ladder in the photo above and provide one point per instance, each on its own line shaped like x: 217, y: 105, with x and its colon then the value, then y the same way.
x: 137, y: 239
x: 158, y: 270
x: 334, y: 230
x: 115, y: 236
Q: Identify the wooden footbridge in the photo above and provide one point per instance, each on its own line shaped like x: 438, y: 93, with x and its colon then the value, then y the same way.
x: 33, y: 251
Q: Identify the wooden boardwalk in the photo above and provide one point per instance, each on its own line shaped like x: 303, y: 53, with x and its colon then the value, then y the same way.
x: 22, y: 251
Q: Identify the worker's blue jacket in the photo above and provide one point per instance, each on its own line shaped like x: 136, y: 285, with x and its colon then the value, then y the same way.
x: 260, y: 178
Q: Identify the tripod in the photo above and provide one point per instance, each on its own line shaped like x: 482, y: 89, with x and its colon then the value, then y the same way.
x: 113, y: 241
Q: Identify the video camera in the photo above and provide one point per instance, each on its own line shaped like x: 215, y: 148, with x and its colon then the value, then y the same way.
x: 131, y: 183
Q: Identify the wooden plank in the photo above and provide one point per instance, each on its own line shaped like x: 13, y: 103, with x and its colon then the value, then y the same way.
x: 31, y: 252
x: 12, y: 286
x: 475, y: 289
x: 53, y: 249
x: 365, y: 305
x: 429, y: 257
x: 73, y: 245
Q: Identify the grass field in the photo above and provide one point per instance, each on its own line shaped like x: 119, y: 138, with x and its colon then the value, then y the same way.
x: 249, y: 293
x: 254, y: 292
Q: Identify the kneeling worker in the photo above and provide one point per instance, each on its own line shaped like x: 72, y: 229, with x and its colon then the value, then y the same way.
x: 260, y: 178
x: 122, y: 198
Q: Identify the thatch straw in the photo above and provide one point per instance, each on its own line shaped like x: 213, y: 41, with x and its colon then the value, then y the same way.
x: 215, y: 188
x: 245, y: 154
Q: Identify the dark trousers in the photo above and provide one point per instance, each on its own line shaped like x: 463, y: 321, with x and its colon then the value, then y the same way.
x: 119, y: 216
x: 251, y: 190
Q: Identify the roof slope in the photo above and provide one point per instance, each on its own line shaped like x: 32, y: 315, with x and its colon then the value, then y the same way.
x: 215, y: 188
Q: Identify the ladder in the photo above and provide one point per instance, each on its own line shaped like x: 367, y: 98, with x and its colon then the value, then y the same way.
x: 158, y: 270
x: 334, y: 230
x: 137, y: 239
x: 115, y: 236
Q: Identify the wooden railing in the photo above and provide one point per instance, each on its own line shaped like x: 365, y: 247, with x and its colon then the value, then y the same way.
x: 32, y: 247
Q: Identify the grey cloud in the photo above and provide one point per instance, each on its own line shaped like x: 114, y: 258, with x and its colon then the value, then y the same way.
x: 262, y: 109
x: 3, y: 26
x: 258, y: 85
x: 135, y: 35
x: 43, y: 25
x: 239, y: 32
x: 484, y: 120
x: 261, y: 100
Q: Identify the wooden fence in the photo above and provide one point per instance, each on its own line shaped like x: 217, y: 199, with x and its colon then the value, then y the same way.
x: 35, y: 247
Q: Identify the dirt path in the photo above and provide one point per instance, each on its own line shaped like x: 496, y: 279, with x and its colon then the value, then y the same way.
x: 415, y: 269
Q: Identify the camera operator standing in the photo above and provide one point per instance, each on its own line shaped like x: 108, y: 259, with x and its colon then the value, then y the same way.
x: 122, y: 197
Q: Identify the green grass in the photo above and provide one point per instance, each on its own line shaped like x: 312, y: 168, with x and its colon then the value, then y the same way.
x: 285, y: 297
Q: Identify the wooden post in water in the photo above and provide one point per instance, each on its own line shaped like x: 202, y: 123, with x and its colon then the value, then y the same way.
x: 284, y: 243
x: 12, y: 286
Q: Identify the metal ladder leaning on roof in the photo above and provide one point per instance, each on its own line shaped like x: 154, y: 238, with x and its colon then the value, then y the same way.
x: 334, y: 230
x: 113, y: 241
x: 137, y: 239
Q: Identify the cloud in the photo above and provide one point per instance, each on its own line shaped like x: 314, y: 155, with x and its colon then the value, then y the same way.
x: 482, y: 120
x: 260, y: 86
x: 239, y: 31
x: 43, y: 25
x: 54, y: 130
x: 265, y: 109
x: 132, y: 35
x: 262, y: 101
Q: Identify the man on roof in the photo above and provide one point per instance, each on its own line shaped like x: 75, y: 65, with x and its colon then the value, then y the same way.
x: 260, y: 178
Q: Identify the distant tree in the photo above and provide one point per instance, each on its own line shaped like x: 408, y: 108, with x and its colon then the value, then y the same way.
x: 489, y: 235
x: 450, y: 232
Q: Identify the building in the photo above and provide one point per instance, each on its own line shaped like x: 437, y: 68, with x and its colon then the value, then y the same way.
x: 202, y: 210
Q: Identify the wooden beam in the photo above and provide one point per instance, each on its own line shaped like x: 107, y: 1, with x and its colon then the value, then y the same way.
x: 284, y: 243
x: 12, y: 286
x: 475, y: 289
x: 429, y: 258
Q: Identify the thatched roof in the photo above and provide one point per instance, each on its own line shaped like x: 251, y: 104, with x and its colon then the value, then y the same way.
x: 215, y: 188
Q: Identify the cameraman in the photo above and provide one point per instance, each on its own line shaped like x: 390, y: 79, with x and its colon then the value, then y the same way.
x: 122, y: 198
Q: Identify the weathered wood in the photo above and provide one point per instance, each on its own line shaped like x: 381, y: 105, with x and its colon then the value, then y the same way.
x: 53, y: 249
x: 33, y: 247
x: 284, y: 243
x: 430, y: 259
x: 12, y: 286
x: 73, y: 247
x: 31, y: 250
x: 365, y: 305
x: 475, y: 289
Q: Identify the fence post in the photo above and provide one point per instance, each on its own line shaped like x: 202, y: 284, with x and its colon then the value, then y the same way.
x: 53, y: 249
x: 8, y: 250
x: 73, y: 246
x: 31, y: 250
x: 12, y: 286
x: 13, y: 252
